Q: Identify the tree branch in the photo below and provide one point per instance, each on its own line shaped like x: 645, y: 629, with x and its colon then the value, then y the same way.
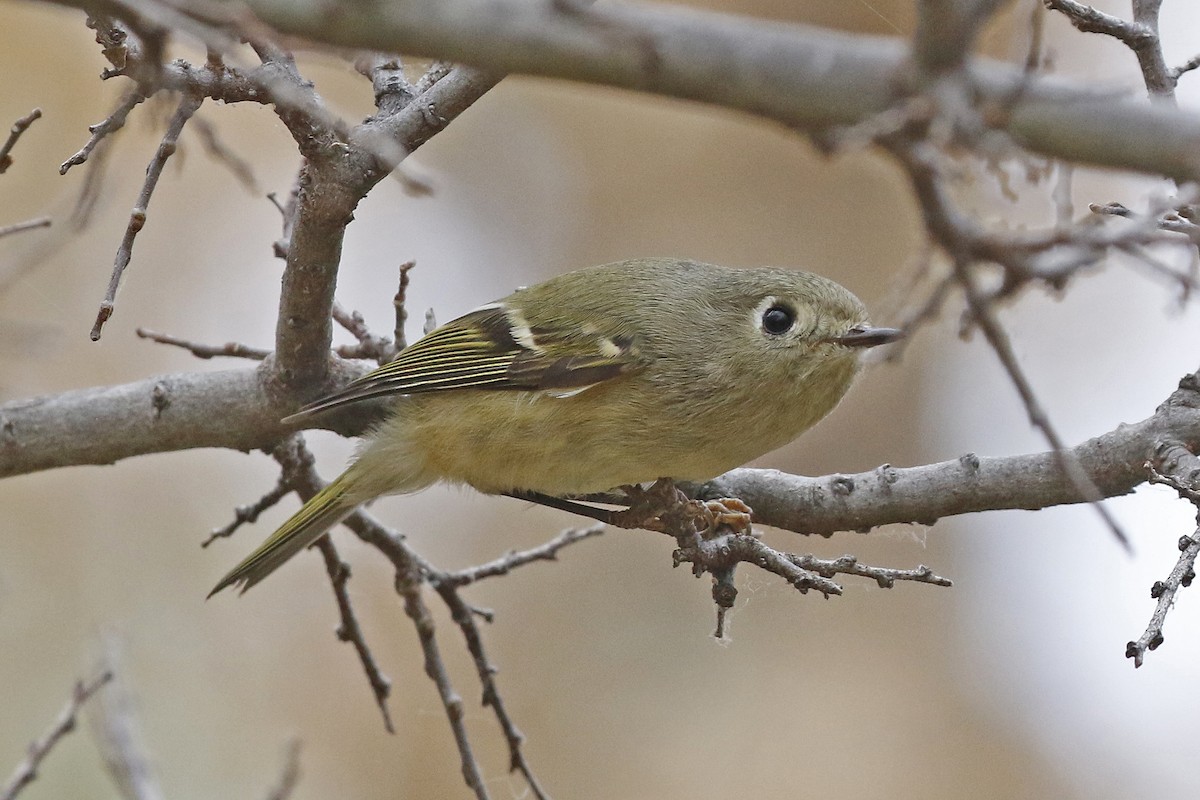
x: 26, y: 771
x: 1113, y: 461
x: 14, y: 133
x: 105, y: 424
x: 804, y: 77
x: 330, y: 188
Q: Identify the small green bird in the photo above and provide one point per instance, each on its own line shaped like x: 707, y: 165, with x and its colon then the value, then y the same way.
x: 615, y: 375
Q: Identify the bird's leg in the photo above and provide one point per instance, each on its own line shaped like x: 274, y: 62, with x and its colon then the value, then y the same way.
x: 571, y: 506
x: 660, y: 507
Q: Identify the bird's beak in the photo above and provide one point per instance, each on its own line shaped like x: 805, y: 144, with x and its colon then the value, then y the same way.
x: 866, y: 336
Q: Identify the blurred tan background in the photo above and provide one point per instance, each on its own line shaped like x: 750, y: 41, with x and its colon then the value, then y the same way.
x: 1012, y: 684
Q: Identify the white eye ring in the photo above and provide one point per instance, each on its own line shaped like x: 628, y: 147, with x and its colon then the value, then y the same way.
x: 775, y: 317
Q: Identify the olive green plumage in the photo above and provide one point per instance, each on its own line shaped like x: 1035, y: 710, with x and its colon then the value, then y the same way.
x: 613, y: 375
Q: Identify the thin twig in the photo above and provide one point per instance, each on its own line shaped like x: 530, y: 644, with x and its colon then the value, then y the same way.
x: 1180, y: 470
x: 117, y: 732
x: 437, y: 70
x: 287, y: 215
x: 27, y: 770
x: 297, y: 461
x: 464, y: 616
x: 1188, y: 493
x: 350, y: 631
x: 399, y: 302
x: 369, y: 345
x: 109, y: 125
x: 27, y: 225
x: 14, y: 133
x: 290, y: 777
x: 1089, y: 19
x: 205, y: 351
x: 982, y: 315
x: 1164, y: 592
x: 965, y: 244
x: 137, y: 219
x: 722, y: 552
x: 885, y: 577
x: 250, y: 513
x: 1139, y: 34
x: 238, y: 166
x: 435, y: 668
x: 547, y: 551
x: 1186, y: 67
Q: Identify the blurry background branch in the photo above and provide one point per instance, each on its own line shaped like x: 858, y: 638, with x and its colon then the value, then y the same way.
x: 804, y: 77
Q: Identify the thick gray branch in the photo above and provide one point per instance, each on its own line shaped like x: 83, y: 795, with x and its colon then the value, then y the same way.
x: 331, y: 185
x: 801, y: 76
x: 105, y: 424
x: 1114, y: 461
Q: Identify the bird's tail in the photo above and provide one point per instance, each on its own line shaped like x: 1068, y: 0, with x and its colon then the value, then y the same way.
x: 318, y: 515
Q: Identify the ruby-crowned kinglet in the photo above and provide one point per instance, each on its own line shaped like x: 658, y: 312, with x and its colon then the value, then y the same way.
x: 614, y: 375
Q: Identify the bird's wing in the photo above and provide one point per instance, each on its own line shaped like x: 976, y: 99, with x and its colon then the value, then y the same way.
x: 493, y: 348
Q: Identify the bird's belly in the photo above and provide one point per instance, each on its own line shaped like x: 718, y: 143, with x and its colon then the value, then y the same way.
x: 504, y: 441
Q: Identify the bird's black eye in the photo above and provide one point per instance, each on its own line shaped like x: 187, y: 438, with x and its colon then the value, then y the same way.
x: 778, y: 319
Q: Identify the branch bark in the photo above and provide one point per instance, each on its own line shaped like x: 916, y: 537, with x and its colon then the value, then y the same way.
x: 804, y: 77
x: 1115, y: 462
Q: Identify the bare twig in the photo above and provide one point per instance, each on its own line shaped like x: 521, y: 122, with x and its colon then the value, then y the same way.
x: 290, y: 777
x: 1186, y: 67
x: 287, y: 215
x: 1139, y: 34
x: 723, y: 551
x: 517, y: 558
x: 137, y: 219
x: 1178, y: 467
x: 399, y: 302
x: 884, y: 577
x: 411, y: 572
x: 1164, y: 592
x: 205, y: 351
x: 14, y: 133
x: 250, y: 513
x: 350, y: 631
x: 414, y: 606
x: 1089, y: 19
x: 296, y: 464
x: 464, y: 616
x: 437, y: 70
x: 118, y: 736
x: 26, y: 771
x: 109, y: 125
x: 1187, y: 492
x: 238, y: 166
x: 982, y: 315
x: 965, y: 244
x: 27, y: 225
x: 369, y: 345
